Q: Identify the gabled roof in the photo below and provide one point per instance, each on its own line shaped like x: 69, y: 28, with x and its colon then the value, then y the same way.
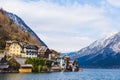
x: 4, y: 66
x: 10, y: 41
x: 31, y: 47
x: 21, y: 61
x: 14, y: 41
x: 42, y: 49
x: 26, y: 66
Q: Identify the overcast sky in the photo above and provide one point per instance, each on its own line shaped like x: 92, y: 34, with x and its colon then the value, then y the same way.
x: 68, y: 25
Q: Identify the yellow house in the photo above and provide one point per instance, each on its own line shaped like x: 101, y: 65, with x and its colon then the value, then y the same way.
x: 26, y: 68
x: 13, y: 48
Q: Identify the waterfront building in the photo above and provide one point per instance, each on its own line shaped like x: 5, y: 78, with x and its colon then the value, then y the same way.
x: 4, y: 68
x: 61, y: 62
x: 26, y: 68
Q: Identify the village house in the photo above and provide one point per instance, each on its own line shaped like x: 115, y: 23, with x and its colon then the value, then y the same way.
x: 54, y: 54
x: 26, y: 68
x: 44, y: 52
x: 13, y: 48
x: 62, y: 62
x: 20, y: 49
x: 72, y: 66
x: 30, y: 51
x: 59, y: 64
x: 4, y: 68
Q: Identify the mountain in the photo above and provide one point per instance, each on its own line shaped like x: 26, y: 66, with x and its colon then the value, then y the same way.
x: 13, y: 27
x: 67, y: 53
x: 103, y: 53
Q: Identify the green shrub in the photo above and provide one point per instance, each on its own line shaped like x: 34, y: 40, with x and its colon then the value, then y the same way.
x: 37, y: 63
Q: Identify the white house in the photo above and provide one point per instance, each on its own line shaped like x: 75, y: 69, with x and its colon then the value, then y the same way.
x: 61, y: 62
x: 31, y: 51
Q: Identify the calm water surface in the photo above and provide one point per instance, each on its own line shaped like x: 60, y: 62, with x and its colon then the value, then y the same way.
x: 87, y: 74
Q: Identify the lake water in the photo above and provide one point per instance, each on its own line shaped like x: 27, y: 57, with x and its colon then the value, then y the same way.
x: 87, y: 74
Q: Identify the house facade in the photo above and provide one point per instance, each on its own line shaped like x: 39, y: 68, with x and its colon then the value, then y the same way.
x: 41, y: 51
x: 62, y: 62
x: 59, y: 64
x: 13, y: 48
x: 26, y: 68
x: 4, y: 68
x: 54, y: 54
x: 44, y: 52
x: 30, y: 51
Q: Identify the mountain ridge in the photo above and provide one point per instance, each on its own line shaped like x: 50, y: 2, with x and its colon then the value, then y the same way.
x: 17, y: 20
x: 12, y: 26
x: 100, y: 53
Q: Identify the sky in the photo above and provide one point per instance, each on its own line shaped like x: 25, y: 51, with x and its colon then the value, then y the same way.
x: 68, y: 25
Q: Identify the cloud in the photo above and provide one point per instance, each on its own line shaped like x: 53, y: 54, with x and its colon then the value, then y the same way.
x: 115, y: 3
x: 67, y: 27
x: 67, y: 44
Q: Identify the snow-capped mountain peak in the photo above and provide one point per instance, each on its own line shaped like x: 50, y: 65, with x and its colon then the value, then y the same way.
x: 104, y: 53
x: 95, y: 47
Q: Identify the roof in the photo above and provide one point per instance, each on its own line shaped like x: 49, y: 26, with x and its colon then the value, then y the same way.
x: 26, y: 65
x: 10, y: 41
x: 4, y: 66
x: 42, y: 49
x: 71, y: 61
x: 31, y: 47
x: 14, y: 41
x: 55, y: 68
x: 21, y: 61
x: 21, y: 44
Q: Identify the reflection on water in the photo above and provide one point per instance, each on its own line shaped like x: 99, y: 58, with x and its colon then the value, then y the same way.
x: 87, y: 74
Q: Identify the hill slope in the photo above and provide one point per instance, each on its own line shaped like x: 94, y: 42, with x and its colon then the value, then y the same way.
x: 104, y: 53
x: 14, y: 28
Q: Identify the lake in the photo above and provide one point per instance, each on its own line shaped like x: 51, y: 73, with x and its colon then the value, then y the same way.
x: 87, y: 74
